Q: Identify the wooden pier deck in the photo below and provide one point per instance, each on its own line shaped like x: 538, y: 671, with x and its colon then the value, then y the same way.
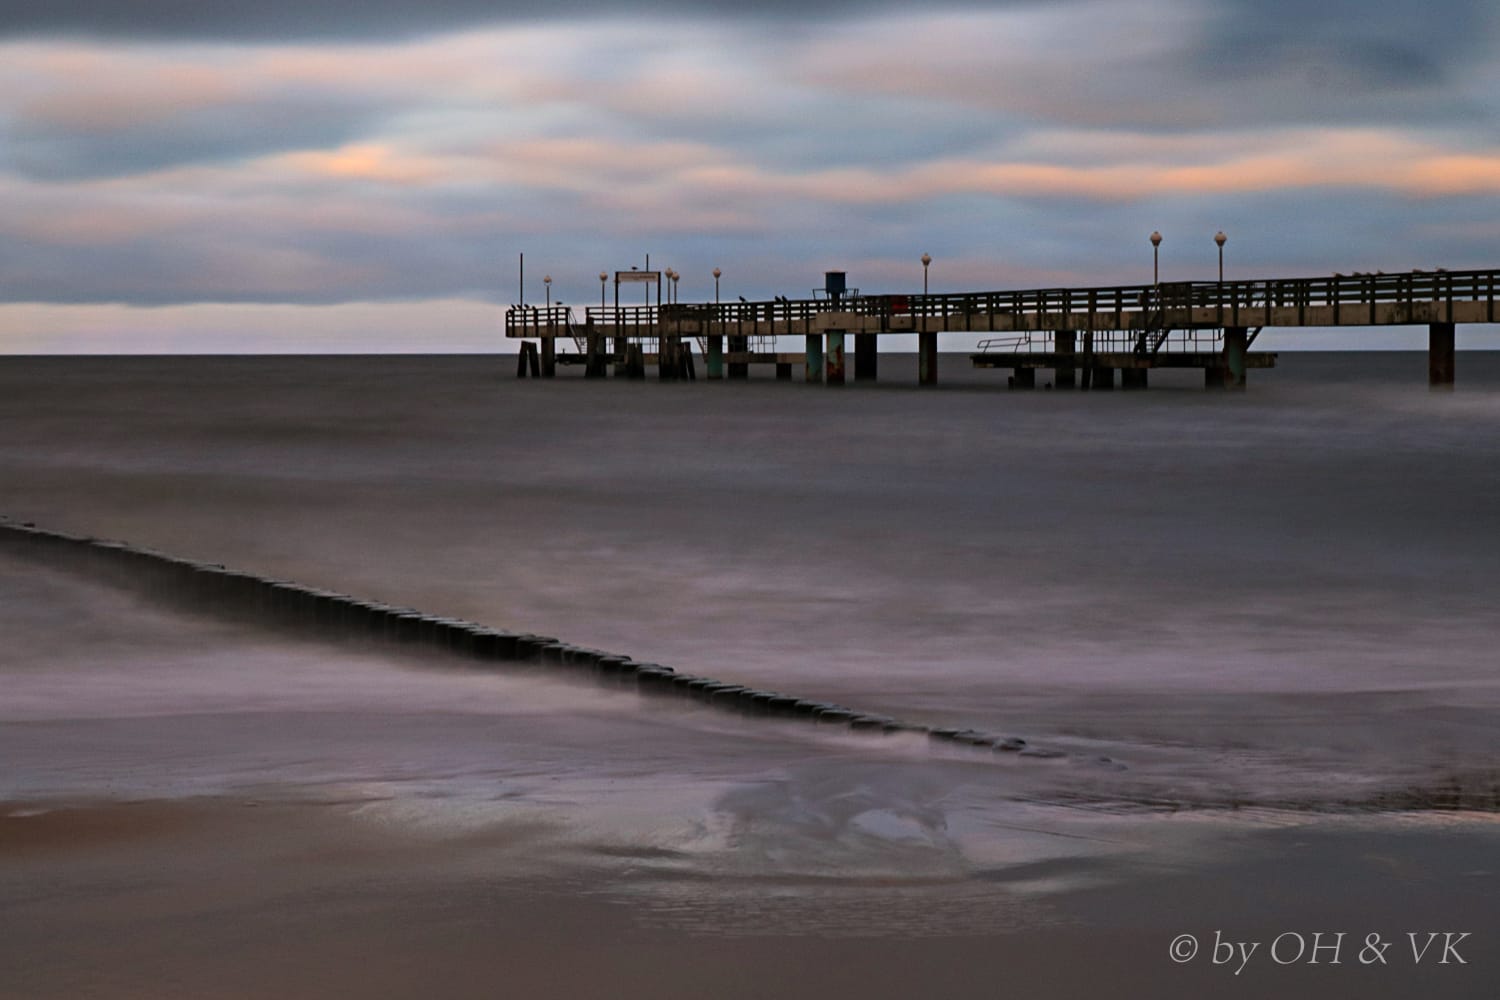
x: 1126, y: 328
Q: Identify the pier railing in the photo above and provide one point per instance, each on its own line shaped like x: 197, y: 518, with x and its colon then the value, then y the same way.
x: 1352, y: 298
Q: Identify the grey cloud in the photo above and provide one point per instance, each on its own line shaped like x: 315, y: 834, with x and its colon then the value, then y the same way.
x: 1348, y: 43
x: 323, y: 20
x: 47, y: 150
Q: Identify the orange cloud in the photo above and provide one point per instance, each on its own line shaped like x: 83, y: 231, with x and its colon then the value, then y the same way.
x: 368, y: 162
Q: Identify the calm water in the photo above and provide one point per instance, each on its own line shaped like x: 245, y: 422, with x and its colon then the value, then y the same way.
x: 1285, y: 598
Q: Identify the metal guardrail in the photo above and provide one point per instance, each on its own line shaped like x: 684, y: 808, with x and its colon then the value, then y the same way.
x: 1233, y: 303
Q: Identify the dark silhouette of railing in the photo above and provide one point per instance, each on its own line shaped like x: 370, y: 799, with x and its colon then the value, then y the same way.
x: 1167, y: 307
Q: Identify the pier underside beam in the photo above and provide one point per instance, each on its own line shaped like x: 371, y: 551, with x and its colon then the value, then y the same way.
x: 1440, y: 343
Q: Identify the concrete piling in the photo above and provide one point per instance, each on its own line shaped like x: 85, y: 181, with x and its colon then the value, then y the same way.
x: 1236, y: 342
x: 927, y: 358
x: 835, y: 358
x: 814, y: 358
x: 866, y: 357
x: 1440, y: 348
x: 1065, y: 374
x: 739, y: 370
x: 715, y: 362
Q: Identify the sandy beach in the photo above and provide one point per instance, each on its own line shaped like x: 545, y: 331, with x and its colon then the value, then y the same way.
x: 248, y: 899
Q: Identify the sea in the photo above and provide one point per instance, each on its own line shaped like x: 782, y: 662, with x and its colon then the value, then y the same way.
x: 1220, y: 611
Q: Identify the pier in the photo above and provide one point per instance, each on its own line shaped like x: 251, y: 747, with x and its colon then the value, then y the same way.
x: 1084, y: 336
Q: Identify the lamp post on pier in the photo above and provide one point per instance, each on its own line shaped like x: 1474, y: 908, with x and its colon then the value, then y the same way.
x: 1155, y: 260
x: 1220, y: 238
x: 603, y: 277
x: 926, y: 260
x: 717, y: 273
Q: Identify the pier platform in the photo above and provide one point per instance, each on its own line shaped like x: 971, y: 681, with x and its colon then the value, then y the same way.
x: 1125, y: 328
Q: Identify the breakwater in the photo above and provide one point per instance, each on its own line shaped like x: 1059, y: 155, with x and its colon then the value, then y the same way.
x: 211, y: 588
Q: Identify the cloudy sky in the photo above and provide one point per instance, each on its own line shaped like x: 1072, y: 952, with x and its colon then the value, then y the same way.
x: 326, y: 176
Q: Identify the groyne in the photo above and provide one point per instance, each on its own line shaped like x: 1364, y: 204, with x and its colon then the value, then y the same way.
x: 214, y: 589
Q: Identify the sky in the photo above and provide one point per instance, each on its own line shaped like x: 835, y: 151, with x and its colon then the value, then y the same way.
x: 321, y: 176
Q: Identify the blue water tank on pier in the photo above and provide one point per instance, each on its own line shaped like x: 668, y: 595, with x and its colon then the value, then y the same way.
x: 834, y: 284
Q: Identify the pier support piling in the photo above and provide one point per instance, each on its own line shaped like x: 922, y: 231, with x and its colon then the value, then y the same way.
x: 715, y: 362
x: 549, y: 357
x: 834, y: 359
x: 1101, y: 377
x: 739, y: 369
x: 594, y: 366
x: 1133, y: 378
x: 927, y: 358
x: 1065, y: 375
x: 526, y: 361
x: 1236, y: 340
x: 814, y: 357
x: 866, y: 357
x: 1440, y: 343
x: 783, y: 371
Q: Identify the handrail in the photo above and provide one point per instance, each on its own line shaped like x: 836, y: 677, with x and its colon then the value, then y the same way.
x: 1235, y: 303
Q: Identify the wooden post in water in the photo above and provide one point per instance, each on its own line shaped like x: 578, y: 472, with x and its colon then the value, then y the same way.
x: 549, y: 357
x: 1440, y: 343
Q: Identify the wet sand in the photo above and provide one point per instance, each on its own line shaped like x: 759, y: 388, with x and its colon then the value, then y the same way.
x: 230, y: 898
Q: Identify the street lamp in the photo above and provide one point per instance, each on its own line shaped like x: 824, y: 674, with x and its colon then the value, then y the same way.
x: 603, y: 277
x: 1219, y: 238
x: 675, y: 297
x: 926, y: 260
x: 1155, y: 259
x: 717, y: 272
x: 547, y: 280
